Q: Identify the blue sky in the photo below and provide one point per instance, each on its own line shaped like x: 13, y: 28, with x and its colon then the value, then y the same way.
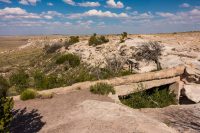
x: 37, y: 17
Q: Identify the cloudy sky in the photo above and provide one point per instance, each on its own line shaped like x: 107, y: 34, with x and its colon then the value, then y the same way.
x: 31, y: 17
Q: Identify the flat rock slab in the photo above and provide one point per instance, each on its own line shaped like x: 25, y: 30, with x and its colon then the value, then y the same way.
x: 93, y: 116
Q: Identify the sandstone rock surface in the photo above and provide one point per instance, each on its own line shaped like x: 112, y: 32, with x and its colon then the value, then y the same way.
x: 193, y: 92
x: 104, y: 117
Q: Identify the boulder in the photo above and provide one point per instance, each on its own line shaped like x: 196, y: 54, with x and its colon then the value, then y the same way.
x: 192, y: 92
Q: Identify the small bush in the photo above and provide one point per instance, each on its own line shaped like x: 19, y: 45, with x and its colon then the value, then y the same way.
x: 20, y: 79
x: 42, y: 81
x: 123, y: 37
x: 28, y: 94
x: 71, y: 59
x: 72, y: 40
x: 6, y: 105
x: 52, y: 48
x: 102, y: 89
x: 103, y: 39
x: 39, y: 80
x: 95, y: 40
x: 154, y: 98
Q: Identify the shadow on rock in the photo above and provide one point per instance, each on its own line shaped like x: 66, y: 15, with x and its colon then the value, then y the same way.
x: 26, y: 121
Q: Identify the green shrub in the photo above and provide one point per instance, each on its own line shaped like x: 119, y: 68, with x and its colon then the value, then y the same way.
x: 95, y: 40
x: 6, y: 105
x: 42, y: 81
x: 28, y: 94
x: 20, y: 79
x: 72, y: 40
x: 103, y: 39
x: 52, y: 48
x: 154, y: 98
x: 123, y: 37
x: 72, y: 59
x: 102, y: 89
x: 39, y: 80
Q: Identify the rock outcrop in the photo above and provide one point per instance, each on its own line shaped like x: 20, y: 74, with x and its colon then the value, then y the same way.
x: 104, y: 117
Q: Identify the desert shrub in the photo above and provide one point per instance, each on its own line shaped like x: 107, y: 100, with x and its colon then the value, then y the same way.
x: 42, y: 81
x: 39, y: 80
x: 154, y: 98
x: 102, y: 89
x: 114, y: 68
x: 52, y: 48
x: 20, y: 80
x: 103, y: 39
x: 72, y: 59
x: 123, y: 37
x: 6, y: 105
x: 72, y: 40
x: 150, y: 51
x: 95, y: 40
x: 78, y: 74
x: 28, y: 94
x: 52, y: 81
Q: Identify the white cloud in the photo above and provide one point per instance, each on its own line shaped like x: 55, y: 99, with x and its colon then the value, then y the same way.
x: 83, y: 4
x: 101, y: 25
x: 188, y: 17
x: 42, y: 23
x: 50, y: 4
x: 184, y: 5
x: 165, y: 14
x: 18, y: 13
x: 52, y: 14
x: 6, y: 1
x: 70, y: 2
x: 113, y: 4
x: 13, y: 11
x: 141, y: 16
x: 197, y: 7
x: 98, y: 13
x: 85, y: 24
x: 195, y: 12
x: 128, y: 8
x: 28, y: 2
x: 89, y: 4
